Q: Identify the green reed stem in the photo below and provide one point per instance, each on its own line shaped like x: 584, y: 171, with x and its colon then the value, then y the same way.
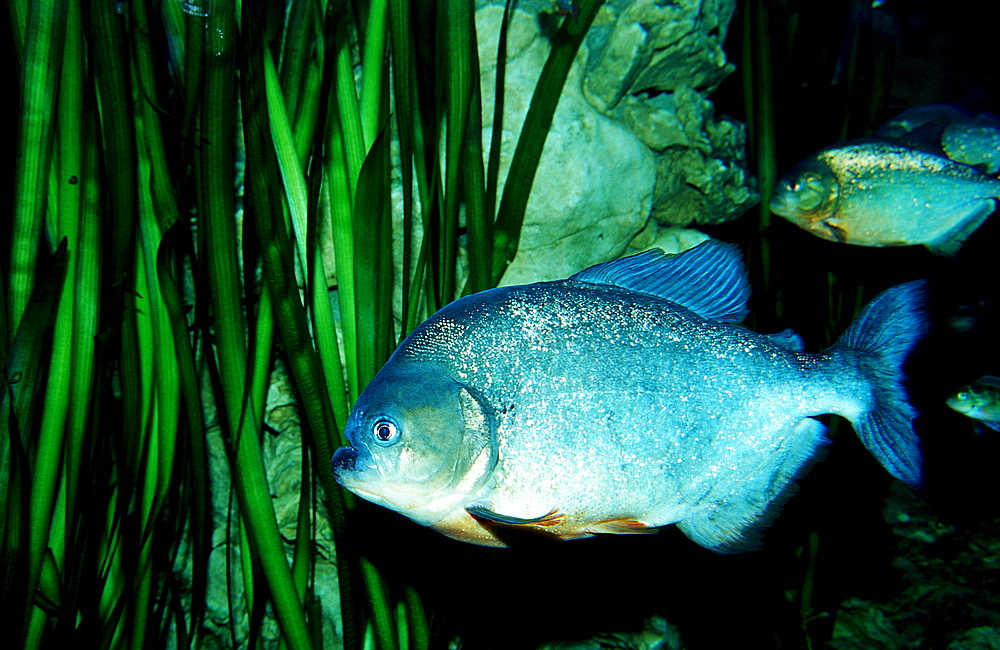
x: 521, y: 175
x: 460, y: 44
x: 44, y: 38
x: 52, y: 428
x: 758, y: 93
x: 223, y: 277
x: 373, y: 72
x: 199, y: 498
x: 382, y: 619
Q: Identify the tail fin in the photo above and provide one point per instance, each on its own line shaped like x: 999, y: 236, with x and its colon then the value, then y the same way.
x: 885, y: 332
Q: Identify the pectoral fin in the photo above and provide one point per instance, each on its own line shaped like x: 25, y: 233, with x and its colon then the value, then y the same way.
x: 485, y: 512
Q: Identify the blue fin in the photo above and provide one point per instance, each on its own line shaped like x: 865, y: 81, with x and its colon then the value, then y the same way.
x: 885, y: 332
x: 708, y: 279
x: 734, y: 522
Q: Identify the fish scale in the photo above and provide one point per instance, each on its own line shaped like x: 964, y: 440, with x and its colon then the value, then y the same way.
x: 613, y: 403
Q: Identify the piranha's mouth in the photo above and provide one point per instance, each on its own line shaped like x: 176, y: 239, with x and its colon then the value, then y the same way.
x: 344, y: 459
x: 781, y: 205
x: 349, y: 467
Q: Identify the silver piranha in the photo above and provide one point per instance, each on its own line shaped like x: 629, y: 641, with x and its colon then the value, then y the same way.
x: 980, y: 401
x: 619, y: 400
x: 879, y: 193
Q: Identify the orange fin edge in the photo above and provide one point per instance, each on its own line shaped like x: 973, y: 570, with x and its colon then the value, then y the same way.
x: 621, y: 527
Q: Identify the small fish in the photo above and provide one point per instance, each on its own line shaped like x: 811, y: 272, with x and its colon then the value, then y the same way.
x: 620, y: 400
x: 879, y: 193
x: 980, y: 401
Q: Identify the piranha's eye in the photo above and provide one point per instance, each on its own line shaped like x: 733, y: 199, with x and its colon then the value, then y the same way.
x: 385, y: 431
x: 793, y: 186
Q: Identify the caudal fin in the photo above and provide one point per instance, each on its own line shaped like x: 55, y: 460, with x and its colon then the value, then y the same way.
x: 885, y: 333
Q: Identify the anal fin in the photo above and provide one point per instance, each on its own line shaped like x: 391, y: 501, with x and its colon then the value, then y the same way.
x: 620, y: 527
x: 948, y: 244
x: 732, y: 522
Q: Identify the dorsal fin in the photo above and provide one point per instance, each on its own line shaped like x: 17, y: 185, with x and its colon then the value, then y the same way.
x: 708, y: 279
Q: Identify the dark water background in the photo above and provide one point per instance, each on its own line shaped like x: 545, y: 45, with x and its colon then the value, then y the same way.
x: 929, y: 52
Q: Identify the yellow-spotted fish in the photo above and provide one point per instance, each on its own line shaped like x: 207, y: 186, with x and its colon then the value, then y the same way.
x: 882, y: 193
x: 980, y: 401
x: 619, y: 400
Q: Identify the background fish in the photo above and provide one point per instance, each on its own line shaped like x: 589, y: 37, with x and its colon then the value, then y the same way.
x: 946, y: 130
x: 980, y: 401
x: 974, y: 141
x: 929, y: 120
x: 878, y: 193
x: 621, y: 399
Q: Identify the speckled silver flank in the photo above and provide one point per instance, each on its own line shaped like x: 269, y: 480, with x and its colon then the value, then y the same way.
x: 615, y: 405
x: 582, y: 408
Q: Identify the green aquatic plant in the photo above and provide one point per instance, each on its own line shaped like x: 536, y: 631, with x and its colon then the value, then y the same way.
x: 138, y: 312
x: 810, y: 77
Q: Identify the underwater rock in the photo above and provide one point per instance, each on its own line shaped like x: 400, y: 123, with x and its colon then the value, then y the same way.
x: 593, y: 189
x: 652, y: 67
x: 978, y: 638
x: 633, y: 133
x: 657, y: 634
x: 650, y: 47
x: 702, y: 175
x: 594, y: 185
x: 668, y: 239
x: 947, y: 594
x: 861, y: 624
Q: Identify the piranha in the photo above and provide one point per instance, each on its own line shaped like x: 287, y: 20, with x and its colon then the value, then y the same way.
x: 946, y: 130
x: 622, y: 399
x: 980, y: 401
x: 880, y: 193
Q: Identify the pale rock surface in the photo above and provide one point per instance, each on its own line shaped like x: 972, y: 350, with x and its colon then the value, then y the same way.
x: 634, y: 134
x: 652, y: 46
x: 593, y: 189
x: 669, y: 239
